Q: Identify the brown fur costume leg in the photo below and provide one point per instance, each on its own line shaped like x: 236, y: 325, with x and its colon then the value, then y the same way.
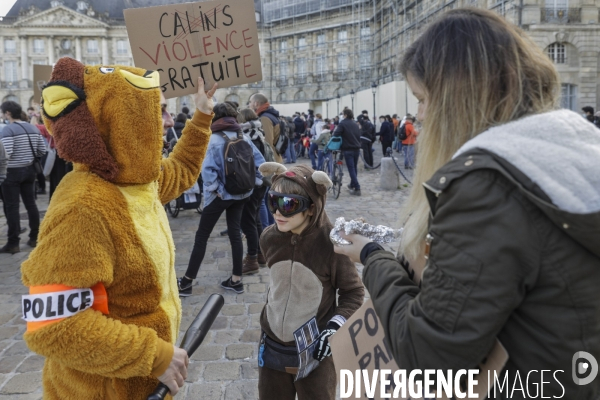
x: 319, y: 385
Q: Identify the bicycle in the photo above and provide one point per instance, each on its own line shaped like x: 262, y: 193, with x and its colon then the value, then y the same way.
x: 334, y: 170
x: 194, y: 202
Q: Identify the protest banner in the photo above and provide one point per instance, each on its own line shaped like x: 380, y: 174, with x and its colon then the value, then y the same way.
x: 41, y: 76
x: 360, y: 344
x: 214, y: 39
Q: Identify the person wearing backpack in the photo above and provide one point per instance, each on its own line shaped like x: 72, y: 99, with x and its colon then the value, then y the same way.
x: 230, y: 174
x: 250, y: 223
x: 401, y: 132
x: 290, y: 154
x: 367, y: 137
x: 269, y: 117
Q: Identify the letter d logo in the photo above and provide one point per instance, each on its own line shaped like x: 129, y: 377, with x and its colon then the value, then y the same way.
x: 580, y: 368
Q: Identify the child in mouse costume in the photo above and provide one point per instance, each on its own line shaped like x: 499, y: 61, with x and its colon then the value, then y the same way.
x: 103, y: 305
x: 306, y: 276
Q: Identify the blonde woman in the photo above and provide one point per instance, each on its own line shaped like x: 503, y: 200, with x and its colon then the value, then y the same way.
x: 505, y: 212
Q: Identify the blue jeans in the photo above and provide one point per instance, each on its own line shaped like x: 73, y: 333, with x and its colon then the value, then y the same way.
x: 312, y: 150
x: 409, y: 155
x: 321, y: 158
x: 399, y: 145
x: 351, y: 157
x: 290, y: 153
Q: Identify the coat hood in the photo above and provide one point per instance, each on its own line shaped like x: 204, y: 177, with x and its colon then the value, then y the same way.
x: 554, y: 158
x: 558, y: 150
x: 272, y: 114
x: 251, y: 124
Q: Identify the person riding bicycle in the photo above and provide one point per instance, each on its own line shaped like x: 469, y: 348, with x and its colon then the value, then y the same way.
x: 322, y: 140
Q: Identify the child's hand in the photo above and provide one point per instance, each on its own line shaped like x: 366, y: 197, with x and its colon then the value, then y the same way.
x: 352, y: 250
x: 203, y: 100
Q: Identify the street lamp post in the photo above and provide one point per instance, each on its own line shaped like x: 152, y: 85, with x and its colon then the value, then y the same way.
x: 374, y: 90
x: 352, y: 97
x: 338, y: 103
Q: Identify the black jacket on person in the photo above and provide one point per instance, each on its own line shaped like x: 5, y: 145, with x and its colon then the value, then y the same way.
x: 299, y: 126
x: 386, y: 133
x: 367, y: 130
x: 514, y: 255
x: 350, y: 133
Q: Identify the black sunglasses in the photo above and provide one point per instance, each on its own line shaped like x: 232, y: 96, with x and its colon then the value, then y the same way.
x: 287, y: 204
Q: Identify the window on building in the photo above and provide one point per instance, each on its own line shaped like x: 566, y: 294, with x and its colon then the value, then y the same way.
x: 92, y: 46
x: 10, y: 46
x: 11, y: 97
x: 10, y: 71
x: 301, y: 66
x: 557, y: 53
x: 40, y: 62
x: 283, y: 45
x: 568, y: 98
x: 55, y: 3
x: 365, y: 58
x: 321, y: 40
x: 321, y: 66
x: 343, y: 36
x: 343, y: 61
x: 121, y: 47
x: 302, y: 42
x: 556, y: 11
x: 38, y: 45
x: 557, y: 4
x: 283, y: 69
x: 366, y: 31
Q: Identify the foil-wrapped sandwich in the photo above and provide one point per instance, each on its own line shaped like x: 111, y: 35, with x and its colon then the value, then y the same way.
x: 379, y: 234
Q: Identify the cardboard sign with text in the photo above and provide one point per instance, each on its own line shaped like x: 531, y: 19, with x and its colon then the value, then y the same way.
x: 217, y: 40
x: 360, y: 344
x: 41, y: 76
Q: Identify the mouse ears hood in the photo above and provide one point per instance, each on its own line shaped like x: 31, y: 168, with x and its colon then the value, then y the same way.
x: 315, y: 183
x: 106, y: 119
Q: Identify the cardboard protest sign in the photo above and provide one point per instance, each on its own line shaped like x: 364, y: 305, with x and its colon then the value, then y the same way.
x: 41, y: 76
x: 214, y: 39
x: 360, y: 344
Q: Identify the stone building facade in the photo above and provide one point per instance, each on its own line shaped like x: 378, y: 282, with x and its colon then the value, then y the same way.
x: 313, y: 51
x: 366, y: 39
x: 42, y: 36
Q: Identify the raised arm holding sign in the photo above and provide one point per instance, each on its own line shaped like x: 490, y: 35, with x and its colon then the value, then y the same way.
x: 212, y: 40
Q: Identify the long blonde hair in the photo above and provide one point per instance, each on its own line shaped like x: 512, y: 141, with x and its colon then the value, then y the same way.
x: 478, y: 71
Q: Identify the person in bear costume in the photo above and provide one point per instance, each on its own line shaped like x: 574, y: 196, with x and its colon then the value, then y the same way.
x: 103, y: 306
x: 307, y: 279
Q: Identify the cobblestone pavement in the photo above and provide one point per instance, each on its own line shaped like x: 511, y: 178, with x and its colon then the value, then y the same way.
x: 225, y: 366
